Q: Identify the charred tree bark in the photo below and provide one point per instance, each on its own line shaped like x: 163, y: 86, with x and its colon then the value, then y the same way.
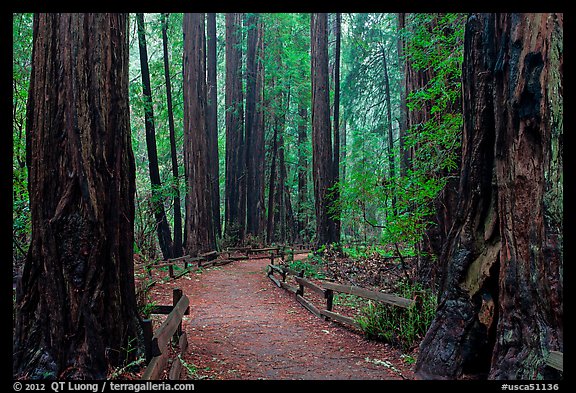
x: 235, y: 203
x: 201, y: 235
x: 322, y: 158
x: 501, y: 309
x: 255, y: 209
x: 162, y: 226
x: 76, y: 307
x: 212, y: 120
x: 177, y: 250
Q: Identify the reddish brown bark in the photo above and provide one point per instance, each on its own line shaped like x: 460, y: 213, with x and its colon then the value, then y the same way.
x: 235, y: 198
x: 322, y: 158
x: 76, y: 308
x: 501, y: 309
x: 255, y: 209
x: 200, y: 232
x: 212, y: 119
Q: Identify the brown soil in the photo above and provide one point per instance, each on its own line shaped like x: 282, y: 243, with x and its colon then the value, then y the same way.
x: 241, y: 326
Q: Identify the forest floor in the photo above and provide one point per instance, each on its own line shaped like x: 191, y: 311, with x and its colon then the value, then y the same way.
x: 243, y: 327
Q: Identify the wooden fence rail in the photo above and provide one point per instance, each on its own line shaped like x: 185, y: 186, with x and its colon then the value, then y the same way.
x: 326, y: 289
x: 158, y: 344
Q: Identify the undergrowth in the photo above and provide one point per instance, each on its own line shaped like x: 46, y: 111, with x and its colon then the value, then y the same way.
x: 401, y: 327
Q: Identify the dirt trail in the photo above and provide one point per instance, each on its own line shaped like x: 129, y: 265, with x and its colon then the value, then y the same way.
x: 241, y: 326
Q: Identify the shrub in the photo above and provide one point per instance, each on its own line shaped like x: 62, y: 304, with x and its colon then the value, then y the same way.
x: 403, y: 328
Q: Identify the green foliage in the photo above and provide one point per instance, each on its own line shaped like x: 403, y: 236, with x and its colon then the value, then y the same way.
x: 401, y: 327
x: 21, y: 68
x: 312, y: 266
x: 368, y: 251
x: 394, y: 208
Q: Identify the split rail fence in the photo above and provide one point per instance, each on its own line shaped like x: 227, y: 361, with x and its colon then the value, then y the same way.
x: 158, y: 344
x: 326, y: 290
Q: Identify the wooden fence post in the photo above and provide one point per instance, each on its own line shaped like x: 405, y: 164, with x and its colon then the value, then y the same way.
x: 301, y: 288
x: 176, y: 296
x: 329, y: 294
x: 271, y: 257
x: 171, y: 271
x: 148, y: 334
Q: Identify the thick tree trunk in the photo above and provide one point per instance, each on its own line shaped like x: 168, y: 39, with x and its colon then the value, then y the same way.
x: 162, y: 226
x: 322, y: 158
x: 76, y: 314
x: 177, y: 250
x: 501, y: 309
x: 255, y: 209
x: 212, y: 120
x: 235, y: 204
x: 201, y: 235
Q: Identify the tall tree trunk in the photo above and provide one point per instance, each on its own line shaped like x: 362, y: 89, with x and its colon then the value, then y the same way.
x: 76, y: 312
x: 199, y: 218
x: 212, y: 120
x: 177, y: 250
x: 255, y: 209
x: 272, y: 185
x: 391, y: 158
x: 281, y: 192
x: 162, y: 226
x: 501, y: 309
x: 302, y: 213
x: 322, y: 158
x: 403, y: 122
x: 336, y: 157
x: 235, y: 215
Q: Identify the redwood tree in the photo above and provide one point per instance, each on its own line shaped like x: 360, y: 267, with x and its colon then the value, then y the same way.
x: 76, y: 314
x: 235, y: 195
x: 177, y: 250
x: 162, y: 226
x: 255, y: 208
x: 500, y: 311
x: 322, y: 159
x: 200, y: 231
x: 212, y: 119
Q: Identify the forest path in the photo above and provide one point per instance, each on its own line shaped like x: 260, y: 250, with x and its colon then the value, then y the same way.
x: 241, y: 326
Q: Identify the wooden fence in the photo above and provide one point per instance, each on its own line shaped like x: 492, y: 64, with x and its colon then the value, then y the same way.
x: 178, y: 267
x: 158, y: 344
x: 326, y: 290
